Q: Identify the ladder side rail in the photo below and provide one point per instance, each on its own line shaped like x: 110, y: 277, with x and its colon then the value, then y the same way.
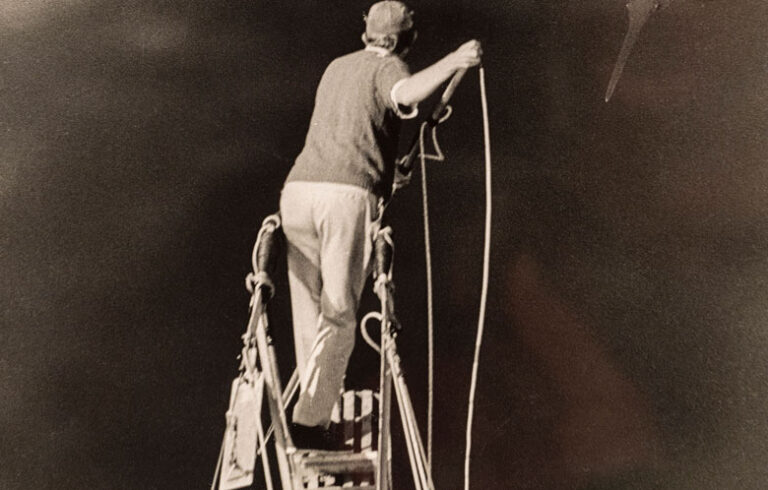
x: 382, y: 274
x: 383, y: 468
x: 289, y: 392
x: 262, y: 445
x: 416, y: 452
x: 416, y: 473
x: 250, y: 369
x: 392, y: 374
x: 275, y: 401
x: 257, y: 310
x: 264, y: 261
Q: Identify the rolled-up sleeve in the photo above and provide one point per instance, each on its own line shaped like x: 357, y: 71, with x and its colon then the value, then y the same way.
x: 388, y: 79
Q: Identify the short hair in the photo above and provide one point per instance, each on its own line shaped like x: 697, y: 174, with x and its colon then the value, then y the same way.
x: 387, y: 41
x: 396, y: 43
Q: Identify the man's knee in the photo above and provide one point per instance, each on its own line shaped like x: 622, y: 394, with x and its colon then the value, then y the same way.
x: 340, y: 319
x: 339, y: 310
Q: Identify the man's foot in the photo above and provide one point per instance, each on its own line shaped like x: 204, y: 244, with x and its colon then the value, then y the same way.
x: 312, y: 437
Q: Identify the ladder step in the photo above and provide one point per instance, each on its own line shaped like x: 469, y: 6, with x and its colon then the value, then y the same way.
x: 353, y: 466
x: 336, y: 462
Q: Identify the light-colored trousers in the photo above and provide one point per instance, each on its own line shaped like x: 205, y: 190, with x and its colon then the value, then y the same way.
x: 328, y: 229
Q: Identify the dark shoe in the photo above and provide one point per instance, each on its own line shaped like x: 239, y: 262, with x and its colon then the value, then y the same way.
x: 312, y: 437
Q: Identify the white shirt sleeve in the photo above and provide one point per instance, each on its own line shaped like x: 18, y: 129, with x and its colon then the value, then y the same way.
x: 414, y: 109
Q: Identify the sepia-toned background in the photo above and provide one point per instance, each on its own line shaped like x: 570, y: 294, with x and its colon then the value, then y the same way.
x: 142, y: 143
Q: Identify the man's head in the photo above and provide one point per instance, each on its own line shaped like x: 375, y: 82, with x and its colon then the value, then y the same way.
x: 389, y: 25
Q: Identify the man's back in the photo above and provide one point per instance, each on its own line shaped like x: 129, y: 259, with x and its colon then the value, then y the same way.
x: 352, y: 138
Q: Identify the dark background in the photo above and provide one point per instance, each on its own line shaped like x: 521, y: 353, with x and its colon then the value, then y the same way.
x: 142, y: 143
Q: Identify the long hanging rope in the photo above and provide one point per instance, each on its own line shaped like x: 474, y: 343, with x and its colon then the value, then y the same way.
x: 486, y: 272
x: 430, y: 315
x: 423, y: 157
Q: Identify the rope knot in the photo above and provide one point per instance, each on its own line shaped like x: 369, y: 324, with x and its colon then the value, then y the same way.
x: 259, y: 280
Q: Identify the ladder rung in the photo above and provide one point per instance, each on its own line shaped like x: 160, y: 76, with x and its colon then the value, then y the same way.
x: 337, y: 461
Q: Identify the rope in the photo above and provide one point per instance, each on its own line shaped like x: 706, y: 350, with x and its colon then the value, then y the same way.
x: 423, y: 156
x: 430, y: 315
x: 486, y: 271
x: 364, y: 330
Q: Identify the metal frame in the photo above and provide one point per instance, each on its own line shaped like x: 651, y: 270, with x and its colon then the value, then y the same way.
x: 392, y: 375
x: 259, y: 360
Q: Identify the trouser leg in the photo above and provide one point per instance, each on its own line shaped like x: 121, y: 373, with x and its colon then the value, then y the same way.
x: 343, y: 220
x: 303, y: 257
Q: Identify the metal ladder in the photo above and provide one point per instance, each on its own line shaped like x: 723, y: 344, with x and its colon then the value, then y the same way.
x: 361, y: 419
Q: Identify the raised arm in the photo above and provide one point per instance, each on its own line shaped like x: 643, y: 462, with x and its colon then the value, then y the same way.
x: 420, y: 85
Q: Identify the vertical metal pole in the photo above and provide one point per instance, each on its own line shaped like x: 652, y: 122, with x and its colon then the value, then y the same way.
x: 383, y: 474
x: 264, y: 259
x: 391, y: 375
x: 274, y: 394
x: 422, y: 474
x: 263, y: 443
x: 416, y: 471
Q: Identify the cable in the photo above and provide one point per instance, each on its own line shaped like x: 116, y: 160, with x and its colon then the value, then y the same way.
x: 486, y: 271
x: 423, y: 156
x: 430, y: 314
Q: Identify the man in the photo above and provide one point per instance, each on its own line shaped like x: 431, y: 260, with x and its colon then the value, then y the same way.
x: 329, y: 202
